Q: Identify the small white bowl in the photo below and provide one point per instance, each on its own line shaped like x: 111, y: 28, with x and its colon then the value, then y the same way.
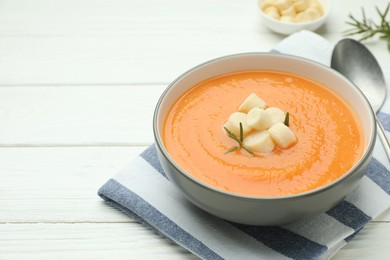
x: 291, y: 27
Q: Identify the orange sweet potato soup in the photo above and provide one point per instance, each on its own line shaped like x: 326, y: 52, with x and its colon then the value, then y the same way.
x: 329, y: 135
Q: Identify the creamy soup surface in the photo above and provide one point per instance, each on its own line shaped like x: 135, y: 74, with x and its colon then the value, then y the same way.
x: 330, y: 137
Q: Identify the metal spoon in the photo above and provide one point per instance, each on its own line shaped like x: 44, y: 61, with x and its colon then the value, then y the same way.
x: 356, y: 62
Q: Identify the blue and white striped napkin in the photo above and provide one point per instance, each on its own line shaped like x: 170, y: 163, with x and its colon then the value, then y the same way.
x: 143, y: 191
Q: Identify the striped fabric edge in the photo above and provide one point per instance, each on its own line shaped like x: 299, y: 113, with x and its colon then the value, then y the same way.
x: 137, y: 208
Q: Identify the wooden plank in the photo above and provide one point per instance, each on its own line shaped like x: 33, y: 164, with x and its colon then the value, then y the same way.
x: 83, y: 115
x: 137, y: 17
x: 142, y: 59
x: 121, y: 42
x: 145, y: 59
x: 127, y: 42
x: 59, y: 184
x: 85, y: 241
x: 120, y: 18
x: 132, y: 241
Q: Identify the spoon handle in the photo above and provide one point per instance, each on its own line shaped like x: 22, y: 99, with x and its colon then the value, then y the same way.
x: 383, y: 137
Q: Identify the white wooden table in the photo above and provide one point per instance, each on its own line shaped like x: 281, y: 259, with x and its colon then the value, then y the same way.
x: 79, y: 80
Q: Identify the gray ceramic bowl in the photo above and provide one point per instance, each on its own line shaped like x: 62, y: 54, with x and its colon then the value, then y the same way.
x: 264, y: 210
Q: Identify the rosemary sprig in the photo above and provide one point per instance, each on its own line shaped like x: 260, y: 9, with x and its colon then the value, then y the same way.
x: 247, y: 149
x: 241, y: 133
x: 287, y: 119
x: 238, y: 140
x: 231, y: 149
x: 367, y: 28
x: 231, y: 135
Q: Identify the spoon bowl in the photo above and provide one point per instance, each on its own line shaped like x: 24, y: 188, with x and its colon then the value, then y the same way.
x: 355, y: 61
x: 358, y: 64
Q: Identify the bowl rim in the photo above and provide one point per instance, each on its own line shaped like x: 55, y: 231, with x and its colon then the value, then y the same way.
x: 327, y: 4
x: 349, y: 174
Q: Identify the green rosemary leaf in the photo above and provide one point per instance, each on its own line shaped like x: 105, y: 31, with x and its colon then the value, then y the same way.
x: 227, y: 130
x: 384, y: 13
x: 247, y: 149
x: 232, y: 135
x: 231, y: 149
x: 287, y: 119
x: 241, y: 133
x: 364, y: 16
